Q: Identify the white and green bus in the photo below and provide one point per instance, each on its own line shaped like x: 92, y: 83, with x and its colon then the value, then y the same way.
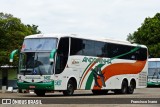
x: 56, y: 62
x: 153, y: 72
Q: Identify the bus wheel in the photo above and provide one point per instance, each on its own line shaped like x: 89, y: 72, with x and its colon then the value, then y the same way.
x: 40, y: 92
x: 131, y: 88
x: 70, y: 89
x: 99, y: 92
x: 124, y: 87
x: 19, y: 90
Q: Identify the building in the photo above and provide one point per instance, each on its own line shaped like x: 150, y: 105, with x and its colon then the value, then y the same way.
x: 8, y: 76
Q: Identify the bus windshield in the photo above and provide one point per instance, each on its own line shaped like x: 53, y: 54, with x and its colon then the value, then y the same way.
x: 39, y: 44
x: 35, y: 63
x: 154, y: 70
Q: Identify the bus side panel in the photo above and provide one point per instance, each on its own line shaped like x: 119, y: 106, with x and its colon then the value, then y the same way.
x: 142, y: 79
x: 61, y: 80
x: 110, y: 75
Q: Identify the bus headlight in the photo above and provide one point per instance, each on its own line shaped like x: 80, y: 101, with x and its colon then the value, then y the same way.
x: 20, y: 80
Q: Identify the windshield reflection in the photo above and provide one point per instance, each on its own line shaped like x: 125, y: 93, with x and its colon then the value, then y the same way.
x: 32, y: 63
x: 39, y: 44
x: 154, y: 70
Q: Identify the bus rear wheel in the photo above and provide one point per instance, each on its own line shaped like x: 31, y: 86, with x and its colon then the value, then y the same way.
x: 40, y: 92
x: 131, y: 88
x: 124, y: 88
x: 70, y: 89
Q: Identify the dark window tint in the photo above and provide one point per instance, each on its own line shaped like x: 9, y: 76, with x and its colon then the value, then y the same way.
x: 100, y: 49
x: 141, y: 54
x: 62, y: 55
x: 116, y: 50
x: 76, y: 46
x: 126, y: 52
x: 88, y: 48
x: 110, y: 50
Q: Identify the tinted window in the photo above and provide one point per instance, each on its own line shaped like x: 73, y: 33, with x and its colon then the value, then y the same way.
x: 110, y: 50
x: 76, y: 46
x: 141, y: 54
x: 89, y: 49
x: 126, y: 52
x: 113, y: 50
x: 100, y: 50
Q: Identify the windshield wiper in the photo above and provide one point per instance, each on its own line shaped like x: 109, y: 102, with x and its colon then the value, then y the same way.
x: 154, y: 74
x: 36, y: 64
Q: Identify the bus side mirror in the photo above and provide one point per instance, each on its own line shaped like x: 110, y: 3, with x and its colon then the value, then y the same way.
x: 52, y: 55
x: 12, y: 55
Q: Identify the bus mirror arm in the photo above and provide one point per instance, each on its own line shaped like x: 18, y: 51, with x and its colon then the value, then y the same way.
x: 12, y: 55
x: 52, y: 55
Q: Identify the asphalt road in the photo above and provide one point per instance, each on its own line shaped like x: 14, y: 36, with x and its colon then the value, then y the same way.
x: 141, y: 97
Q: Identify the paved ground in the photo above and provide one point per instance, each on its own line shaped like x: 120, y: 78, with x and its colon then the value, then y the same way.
x: 87, y: 99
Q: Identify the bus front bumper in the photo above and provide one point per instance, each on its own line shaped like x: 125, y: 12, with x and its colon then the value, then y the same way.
x: 36, y: 86
x: 150, y: 84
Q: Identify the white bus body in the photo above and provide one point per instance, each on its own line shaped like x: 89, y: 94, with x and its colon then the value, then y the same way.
x: 81, y: 63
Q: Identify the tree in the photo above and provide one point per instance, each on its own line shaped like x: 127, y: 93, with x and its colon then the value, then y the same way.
x: 149, y: 35
x: 12, y: 33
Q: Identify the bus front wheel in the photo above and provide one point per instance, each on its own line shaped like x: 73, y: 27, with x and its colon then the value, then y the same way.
x: 40, y: 92
x: 70, y: 89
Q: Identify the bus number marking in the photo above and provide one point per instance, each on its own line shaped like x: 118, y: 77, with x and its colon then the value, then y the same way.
x: 58, y: 82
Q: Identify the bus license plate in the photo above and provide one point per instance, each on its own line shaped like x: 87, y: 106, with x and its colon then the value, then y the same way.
x: 32, y: 87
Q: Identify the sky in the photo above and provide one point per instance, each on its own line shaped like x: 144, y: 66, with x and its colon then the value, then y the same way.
x: 113, y: 19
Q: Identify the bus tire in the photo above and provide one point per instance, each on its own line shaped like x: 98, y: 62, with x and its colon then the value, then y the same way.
x: 124, y: 87
x: 40, y: 92
x: 19, y: 90
x: 99, y: 92
x: 70, y: 89
x: 131, y: 88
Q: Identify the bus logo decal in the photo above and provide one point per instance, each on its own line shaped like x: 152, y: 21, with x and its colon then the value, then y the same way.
x: 75, y: 61
x: 34, y: 72
x: 47, y: 77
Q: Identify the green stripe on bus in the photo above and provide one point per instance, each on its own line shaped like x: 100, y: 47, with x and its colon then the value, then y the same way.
x: 83, y: 73
x: 38, y: 86
x: 133, y: 50
x: 90, y: 79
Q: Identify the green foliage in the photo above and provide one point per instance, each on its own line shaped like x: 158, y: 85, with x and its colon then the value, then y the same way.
x: 149, y: 35
x: 12, y: 33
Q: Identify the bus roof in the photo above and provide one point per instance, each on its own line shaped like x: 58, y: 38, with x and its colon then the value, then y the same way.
x: 102, y: 39
x: 154, y: 59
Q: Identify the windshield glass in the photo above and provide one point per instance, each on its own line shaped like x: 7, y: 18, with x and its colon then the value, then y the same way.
x: 32, y: 63
x: 154, y: 70
x: 39, y: 44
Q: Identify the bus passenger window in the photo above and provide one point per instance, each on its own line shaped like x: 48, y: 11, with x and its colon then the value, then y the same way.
x: 76, y: 46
